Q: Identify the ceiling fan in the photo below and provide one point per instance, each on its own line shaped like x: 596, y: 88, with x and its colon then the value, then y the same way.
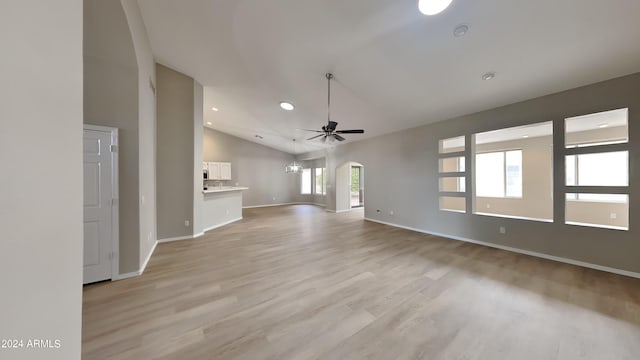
x: 329, y: 131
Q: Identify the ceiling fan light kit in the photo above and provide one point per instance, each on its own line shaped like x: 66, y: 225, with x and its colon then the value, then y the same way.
x: 433, y: 7
x: 329, y: 132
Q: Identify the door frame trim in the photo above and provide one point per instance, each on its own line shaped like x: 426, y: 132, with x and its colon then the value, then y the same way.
x: 115, y: 203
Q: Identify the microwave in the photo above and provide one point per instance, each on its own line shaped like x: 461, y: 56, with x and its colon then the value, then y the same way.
x: 205, y: 174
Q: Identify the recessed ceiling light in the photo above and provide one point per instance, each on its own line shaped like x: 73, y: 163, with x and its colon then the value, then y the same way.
x: 461, y: 30
x: 286, y: 105
x: 488, y: 76
x: 209, y: 123
x: 525, y: 136
x: 603, y: 125
x: 214, y: 109
x: 432, y: 7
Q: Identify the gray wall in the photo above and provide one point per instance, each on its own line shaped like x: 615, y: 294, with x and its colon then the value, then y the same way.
x: 311, y: 198
x: 402, y: 175
x: 41, y: 176
x: 111, y: 98
x: 174, y: 175
x: 198, y: 133
x: 147, y: 127
x: 253, y: 165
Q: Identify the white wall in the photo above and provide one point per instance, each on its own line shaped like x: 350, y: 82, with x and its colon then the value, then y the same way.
x: 41, y: 134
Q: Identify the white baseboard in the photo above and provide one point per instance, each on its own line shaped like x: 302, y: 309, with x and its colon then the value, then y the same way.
x: 347, y: 210
x: 222, y: 224
x: 146, y: 261
x: 142, y: 268
x: 270, y: 205
x: 284, y: 204
x: 516, y: 250
x: 188, y: 237
x: 126, y: 275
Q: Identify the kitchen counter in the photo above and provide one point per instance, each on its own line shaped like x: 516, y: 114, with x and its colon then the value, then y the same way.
x: 217, y: 189
x: 221, y: 205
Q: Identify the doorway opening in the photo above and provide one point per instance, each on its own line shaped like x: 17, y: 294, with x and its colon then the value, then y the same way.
x: 357, y: 186
x: 349, y: 186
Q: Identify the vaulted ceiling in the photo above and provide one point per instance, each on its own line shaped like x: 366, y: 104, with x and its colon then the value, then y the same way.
x: 394, y: 67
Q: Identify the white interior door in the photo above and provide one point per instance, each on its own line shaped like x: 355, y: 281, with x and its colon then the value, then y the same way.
x: 98, y: 195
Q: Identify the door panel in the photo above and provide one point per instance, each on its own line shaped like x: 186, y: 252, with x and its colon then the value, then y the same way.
x: 98, y: 193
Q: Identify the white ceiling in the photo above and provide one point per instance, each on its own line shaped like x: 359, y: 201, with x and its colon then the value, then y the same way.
x: 394, y: 67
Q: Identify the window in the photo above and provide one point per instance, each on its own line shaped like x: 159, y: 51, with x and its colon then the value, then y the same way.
x: 597, y: 170
x: 456, y: 144
x: 320, y: 181
x: 513, y: 172
x: 499, y: 174
x: 452, y: 174
x: 452, y: 164
x: 305, y: 185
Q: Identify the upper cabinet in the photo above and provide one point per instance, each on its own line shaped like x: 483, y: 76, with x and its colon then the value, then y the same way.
x: 225, y: 171
x: 219, y: 170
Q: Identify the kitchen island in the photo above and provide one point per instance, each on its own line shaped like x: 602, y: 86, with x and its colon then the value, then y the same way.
x: 222, y: 205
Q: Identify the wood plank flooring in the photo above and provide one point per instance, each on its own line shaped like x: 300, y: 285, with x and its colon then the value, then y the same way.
x: 295, y: 282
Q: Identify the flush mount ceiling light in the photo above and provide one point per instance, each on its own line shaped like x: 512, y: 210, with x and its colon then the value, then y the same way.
x: 214, y: 108
x: 286, y: 105
x: 602, y: 126
x: 461, y: 30
x: 209, y: 123
x: 294, y: 167
x: 488, y: 76
x: 432, y: 7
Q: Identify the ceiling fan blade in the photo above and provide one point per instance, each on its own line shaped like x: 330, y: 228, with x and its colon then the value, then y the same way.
x: 358, y: 131
x: 310, y: 130
x: 314, y: 137
x: 338, y: 137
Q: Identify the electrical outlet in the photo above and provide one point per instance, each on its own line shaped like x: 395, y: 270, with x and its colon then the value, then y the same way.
x: 391, y: 212
x: 613, y: 216
x: 488, y: 206
x: 503, y: 230
x: 149, y: 237
x: 274, y: 198
x: 227, y: 211
x: 186, y: 223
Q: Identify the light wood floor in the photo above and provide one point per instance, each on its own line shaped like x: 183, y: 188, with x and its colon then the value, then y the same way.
x: 296, y: 282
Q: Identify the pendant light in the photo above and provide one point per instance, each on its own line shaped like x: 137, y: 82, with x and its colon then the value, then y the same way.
x: 432, y: 7
x: 294, y: 167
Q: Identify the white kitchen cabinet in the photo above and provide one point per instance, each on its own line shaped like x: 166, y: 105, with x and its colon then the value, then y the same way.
x: 214, y: 171
x: 225, y: 171
x: 219, y: 171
